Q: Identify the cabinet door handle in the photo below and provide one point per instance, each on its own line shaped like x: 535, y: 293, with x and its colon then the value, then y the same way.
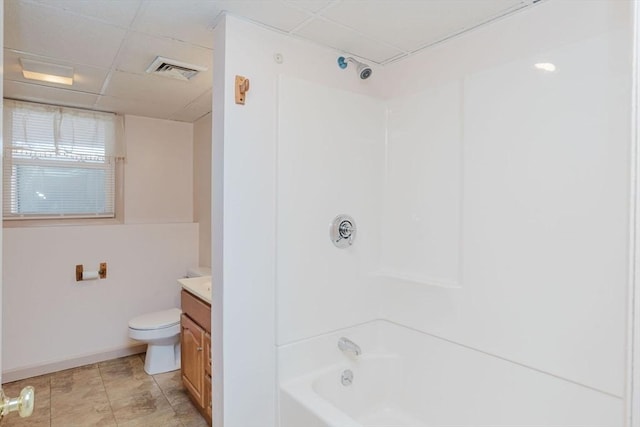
x: 199, y: 348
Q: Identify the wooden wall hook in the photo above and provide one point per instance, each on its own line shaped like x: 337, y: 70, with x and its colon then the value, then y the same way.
x: 242, y: 87
x: 103, y: 270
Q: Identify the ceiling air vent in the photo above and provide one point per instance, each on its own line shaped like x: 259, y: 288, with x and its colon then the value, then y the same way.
x: 174, y: 69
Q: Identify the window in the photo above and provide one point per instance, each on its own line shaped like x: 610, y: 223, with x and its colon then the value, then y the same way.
x: 59, y: 162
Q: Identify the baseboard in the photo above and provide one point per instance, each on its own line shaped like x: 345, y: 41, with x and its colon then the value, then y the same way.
x: 47, y: 368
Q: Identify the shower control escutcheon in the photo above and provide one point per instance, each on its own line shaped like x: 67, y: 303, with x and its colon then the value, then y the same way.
x: 342, y: 231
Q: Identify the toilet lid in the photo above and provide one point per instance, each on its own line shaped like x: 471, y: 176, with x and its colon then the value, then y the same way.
x: 156, y: 320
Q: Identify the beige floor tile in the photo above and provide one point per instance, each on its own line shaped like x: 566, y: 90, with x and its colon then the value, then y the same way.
x: 74, y: 403
x: 178, y: 398
x: 113, y: 393
x: 41, y: 416
x: 126, y: 367
x: 83, y: 414
x: 140, y: 405
x: 189, y: 415
x: 77, y: 391
x: 14, y: 420
x: 42, y: 386
x: 77, y: 374
x: 125, y: 359
x: 171, y: 385
x: 130, y: 363
x: 127, y: 387
x: 77, y: 383
x: 165, y: 418
x: 169, y: 379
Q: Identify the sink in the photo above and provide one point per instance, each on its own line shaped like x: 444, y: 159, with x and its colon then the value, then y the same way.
x: 198, y: 286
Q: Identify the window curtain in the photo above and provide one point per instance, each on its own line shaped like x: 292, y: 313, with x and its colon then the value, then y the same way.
x: 45, y: 131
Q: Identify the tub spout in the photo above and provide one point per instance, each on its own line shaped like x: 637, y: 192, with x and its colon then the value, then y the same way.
x: 345, y: 344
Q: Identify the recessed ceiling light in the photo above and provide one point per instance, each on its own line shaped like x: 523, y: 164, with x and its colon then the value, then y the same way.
x: 545, y: 66
x: 46, y: 72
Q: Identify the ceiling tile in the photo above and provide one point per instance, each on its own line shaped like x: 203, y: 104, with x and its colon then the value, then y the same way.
x: 196, y: 109
x: 276, y: 14
x: 186, y: 20
x: 410, y: 24
x: 93, y: 37
x: 141, y: 49
x: 52, y: 32
x: 310, y: 5
x: 345, y: 40
x: 136, y: 107
x: 115, y: 12
x: 156, y: 89
x: 85, y: 79
x: 48, y: 95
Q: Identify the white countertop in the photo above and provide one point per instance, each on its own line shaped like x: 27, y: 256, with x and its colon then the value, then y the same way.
x: 198, y: 286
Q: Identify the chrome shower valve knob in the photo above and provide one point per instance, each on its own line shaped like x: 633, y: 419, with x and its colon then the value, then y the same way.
x: 345, y: 229
x: 342, y: 231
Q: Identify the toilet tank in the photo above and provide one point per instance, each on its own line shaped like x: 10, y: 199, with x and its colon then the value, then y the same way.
x: 198, y: 271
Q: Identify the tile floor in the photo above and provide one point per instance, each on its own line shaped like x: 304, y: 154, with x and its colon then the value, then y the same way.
x: 113, y: 393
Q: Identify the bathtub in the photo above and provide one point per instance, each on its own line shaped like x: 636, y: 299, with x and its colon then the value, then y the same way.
x: 373, y: 398
x: 405, y: 378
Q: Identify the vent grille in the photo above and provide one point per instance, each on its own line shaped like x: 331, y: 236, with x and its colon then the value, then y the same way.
x: 174, y: 69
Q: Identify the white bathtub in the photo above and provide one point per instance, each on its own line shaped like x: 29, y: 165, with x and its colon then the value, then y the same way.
x: 374, y: 398
x: 405, y: 378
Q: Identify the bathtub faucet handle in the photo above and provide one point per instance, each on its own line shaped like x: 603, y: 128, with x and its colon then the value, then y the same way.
x: 345, y: 344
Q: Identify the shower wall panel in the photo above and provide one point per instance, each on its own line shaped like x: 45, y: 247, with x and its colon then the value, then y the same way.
x: 423, y: 188
x: 544, y: 190
x: 330, y: 157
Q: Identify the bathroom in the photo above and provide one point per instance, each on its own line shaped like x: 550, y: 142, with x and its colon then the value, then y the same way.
x: 506, y: 288
x: 53, y: 322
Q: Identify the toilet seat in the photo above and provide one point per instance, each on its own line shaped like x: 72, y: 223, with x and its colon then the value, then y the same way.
x: 156, y: 320
x: 155, y: 334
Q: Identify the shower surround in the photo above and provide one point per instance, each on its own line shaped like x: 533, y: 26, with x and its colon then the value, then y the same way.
x: 488, y: 282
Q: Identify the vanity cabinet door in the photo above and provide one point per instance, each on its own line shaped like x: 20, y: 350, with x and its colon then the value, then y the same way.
x: 207, y: 396
x: 207, y: 354
x: 192, y: 363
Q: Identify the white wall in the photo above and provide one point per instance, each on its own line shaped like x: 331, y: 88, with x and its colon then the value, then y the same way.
x: 544, y: 173
x: 218, y: 143
x: 158, y: 171
x: 244, y: 210
x: 50, y: 321
x: 1, y: 158
x: 49, y: 317
x: 202, y: 186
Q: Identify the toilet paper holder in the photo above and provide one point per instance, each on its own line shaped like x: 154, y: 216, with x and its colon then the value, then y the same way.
x: 80, y: 273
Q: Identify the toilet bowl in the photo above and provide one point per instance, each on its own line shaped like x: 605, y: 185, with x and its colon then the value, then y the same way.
x: 161, y: 331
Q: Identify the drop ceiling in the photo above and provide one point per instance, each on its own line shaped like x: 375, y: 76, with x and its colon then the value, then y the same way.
x: 110, y: 43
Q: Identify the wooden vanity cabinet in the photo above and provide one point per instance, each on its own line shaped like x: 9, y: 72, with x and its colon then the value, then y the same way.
x: 195, y: 340
x: 192, y: 359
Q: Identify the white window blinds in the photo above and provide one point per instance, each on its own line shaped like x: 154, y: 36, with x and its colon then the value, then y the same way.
x: 59, y: 162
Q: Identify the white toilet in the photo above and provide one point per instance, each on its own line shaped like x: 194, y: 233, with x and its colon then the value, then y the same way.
x: 161, y: 331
